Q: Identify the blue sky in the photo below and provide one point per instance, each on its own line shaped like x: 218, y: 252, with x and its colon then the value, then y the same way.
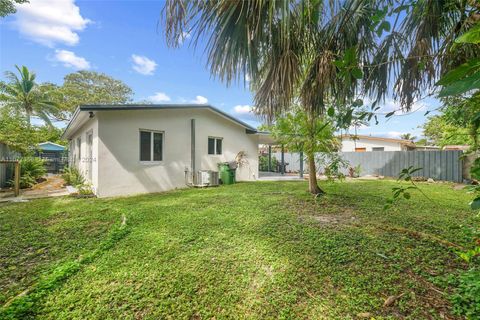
x: 125, y: 40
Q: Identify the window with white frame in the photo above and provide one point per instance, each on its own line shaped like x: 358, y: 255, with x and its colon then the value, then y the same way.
x: 215, y: 145
x: 151, y: 145
x: 79, y: 148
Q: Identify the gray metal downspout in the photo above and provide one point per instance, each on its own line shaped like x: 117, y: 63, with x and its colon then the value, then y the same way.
x: 301, y: 164
x: 269, y: 158
x: 192, y: 145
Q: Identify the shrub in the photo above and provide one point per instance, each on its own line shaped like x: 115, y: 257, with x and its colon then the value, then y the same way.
x: 33, y: 167
x: 466, y: 300
x: 31, y: 170
x: 263, y: 163
x: 73, y: 177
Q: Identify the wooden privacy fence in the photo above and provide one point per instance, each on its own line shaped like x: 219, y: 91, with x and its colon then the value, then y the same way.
x: 438, y: 165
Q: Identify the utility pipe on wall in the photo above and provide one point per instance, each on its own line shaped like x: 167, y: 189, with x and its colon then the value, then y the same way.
x: 192, y: 145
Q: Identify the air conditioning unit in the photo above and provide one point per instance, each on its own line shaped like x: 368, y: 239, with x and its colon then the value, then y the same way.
x: 205, y: 178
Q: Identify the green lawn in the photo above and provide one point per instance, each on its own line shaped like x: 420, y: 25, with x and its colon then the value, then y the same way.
x: 251, y: 250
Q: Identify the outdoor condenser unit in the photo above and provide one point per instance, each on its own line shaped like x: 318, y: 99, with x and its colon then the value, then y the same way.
x: 205, y: 178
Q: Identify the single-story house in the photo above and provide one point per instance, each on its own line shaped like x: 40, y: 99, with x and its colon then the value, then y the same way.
x: 363, y: 143
x: 133, y: 149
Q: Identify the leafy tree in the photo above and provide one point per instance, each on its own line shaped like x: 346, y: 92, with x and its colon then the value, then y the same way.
x: 89, y: 87
x: 8, y: 6
x: 16, y: 132
x: 440, y: 133
x: 299, y: 131
x: 24, y: 96
x: 422, y: 142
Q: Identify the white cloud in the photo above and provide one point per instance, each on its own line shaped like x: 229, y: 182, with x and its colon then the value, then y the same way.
x: 159, y: 97
x: 50, y: 21
x: 244, y: 112
x: 200, y: 100
x: 143, y: 65
x: 70, y: 60
x: 394, y: 134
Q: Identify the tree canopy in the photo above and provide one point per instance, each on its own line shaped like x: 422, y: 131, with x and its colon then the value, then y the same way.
x: 89, y: 87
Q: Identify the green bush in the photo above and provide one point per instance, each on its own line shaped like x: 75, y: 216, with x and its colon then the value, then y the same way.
x: 263, y: 163
x: 73, y: 177
x: 31, y: 170
x: 466, y: 300
x: 33, y: 167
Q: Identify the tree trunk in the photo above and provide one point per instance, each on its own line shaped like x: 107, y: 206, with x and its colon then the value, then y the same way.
x: 313, y: 187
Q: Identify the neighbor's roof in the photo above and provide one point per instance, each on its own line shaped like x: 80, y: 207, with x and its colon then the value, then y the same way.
x: 121, y: 107
x: 358, y: 136
x: 50, y: 146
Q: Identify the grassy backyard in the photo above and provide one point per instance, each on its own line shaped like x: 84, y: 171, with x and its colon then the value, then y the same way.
x: 251, y: 250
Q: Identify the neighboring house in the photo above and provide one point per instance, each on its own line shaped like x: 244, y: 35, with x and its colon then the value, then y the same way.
x: 131, y: 149
x: 361, y: 143
x: 51, y: 147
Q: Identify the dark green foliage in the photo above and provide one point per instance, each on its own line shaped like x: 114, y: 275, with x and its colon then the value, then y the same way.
x: 31, y: 171
x: 263, y: 163
x: 466, y: 299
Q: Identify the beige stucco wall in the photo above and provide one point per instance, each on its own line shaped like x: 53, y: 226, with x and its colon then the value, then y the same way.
x: 83, y: 163
x: 348, y: 145
x: 120, y: 171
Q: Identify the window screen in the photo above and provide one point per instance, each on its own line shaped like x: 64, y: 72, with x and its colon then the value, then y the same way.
x: 79, y: 148
x: 211, y: 145
x: 157, y: 146
x: 378, y: 148
x: 219, y: 146
x: 145, y: 145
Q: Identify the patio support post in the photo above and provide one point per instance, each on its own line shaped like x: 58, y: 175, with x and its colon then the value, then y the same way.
x: 301, y: 164
x: 192, y: 145
x: 269, y: 158
x: 282, y: 168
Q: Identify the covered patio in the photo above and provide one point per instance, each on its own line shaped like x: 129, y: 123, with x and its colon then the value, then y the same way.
x: 278, y: 171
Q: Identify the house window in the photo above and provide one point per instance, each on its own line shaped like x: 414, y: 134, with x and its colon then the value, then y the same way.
x: 378, y: 149
x: 215, y: 145
x: 151, y: 145
x: 360, y: 149
x: 79, y: 148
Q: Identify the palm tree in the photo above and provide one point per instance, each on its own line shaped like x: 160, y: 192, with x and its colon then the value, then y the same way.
x: 325, y: 53
x: 407, y: 136
x: 23, y: 96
